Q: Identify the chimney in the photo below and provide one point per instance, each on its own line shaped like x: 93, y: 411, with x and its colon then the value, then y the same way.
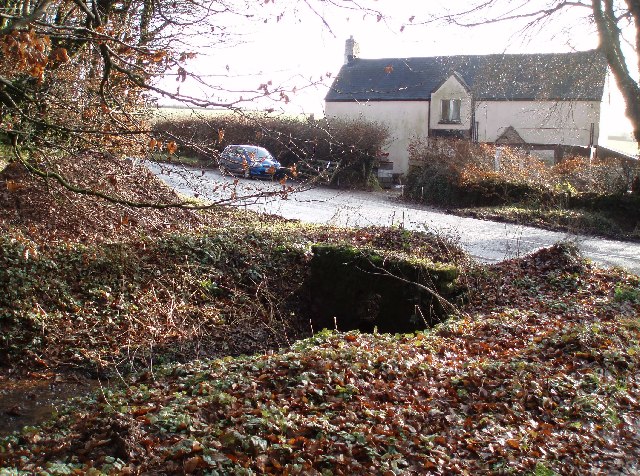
x: 351, y: 50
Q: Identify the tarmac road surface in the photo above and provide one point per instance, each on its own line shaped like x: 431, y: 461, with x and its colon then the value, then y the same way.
x: 485, y: 240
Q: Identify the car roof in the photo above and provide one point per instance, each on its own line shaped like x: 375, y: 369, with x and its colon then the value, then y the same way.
x: 244, y: 146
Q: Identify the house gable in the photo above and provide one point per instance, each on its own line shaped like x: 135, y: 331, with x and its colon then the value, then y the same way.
x: 510, y: 137
x: 453, y: 77
x: 451, y: 106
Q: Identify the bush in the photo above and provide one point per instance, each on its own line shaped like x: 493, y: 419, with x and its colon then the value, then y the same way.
x: 623, y: 209
x: 345, y: 150
x: 608, y: 177
x: 463, y: 174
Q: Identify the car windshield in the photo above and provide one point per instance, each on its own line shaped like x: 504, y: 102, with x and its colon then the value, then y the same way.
x: 258, y: 153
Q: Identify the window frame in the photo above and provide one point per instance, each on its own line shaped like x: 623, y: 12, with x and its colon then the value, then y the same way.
x: 450, y: 118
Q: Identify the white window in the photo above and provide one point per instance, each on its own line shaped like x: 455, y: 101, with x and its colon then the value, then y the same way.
x: 450, y: 111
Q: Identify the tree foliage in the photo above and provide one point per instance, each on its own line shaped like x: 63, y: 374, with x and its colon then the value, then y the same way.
x: 75, y: 74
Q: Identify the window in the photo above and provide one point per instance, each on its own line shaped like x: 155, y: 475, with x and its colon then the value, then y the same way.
x: 450, y: 111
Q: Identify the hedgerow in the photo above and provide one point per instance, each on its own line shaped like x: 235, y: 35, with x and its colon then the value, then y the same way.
x: 342, y: 152
x: 460, y: 174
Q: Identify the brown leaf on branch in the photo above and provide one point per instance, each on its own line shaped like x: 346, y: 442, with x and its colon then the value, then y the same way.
x: 59, y: 55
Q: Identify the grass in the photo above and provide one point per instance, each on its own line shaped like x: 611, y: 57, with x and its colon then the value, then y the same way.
x: 177, y: 159
x: 574, y: 220
x: 5, y: 155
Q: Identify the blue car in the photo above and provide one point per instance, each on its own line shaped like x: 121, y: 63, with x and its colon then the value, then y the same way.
x: 248, y: 161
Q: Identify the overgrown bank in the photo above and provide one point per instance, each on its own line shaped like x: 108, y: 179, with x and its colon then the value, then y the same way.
x: 128, y: 305
x: 97, y: 286
x: 539, y: 377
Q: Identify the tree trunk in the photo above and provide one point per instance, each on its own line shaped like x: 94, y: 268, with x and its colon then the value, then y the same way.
x: 610, y: 44
x: 148, y: 10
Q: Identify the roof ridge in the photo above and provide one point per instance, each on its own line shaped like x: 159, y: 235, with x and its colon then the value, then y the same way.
x: 487, y: 55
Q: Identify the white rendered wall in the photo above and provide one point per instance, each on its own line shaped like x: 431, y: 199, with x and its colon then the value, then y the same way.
x: 406, y: 120
x: 542, y: 122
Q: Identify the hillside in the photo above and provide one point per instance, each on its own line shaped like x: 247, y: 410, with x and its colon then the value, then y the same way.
x: 198, y: 326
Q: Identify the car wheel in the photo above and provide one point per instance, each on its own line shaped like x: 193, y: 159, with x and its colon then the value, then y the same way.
x: 246, y: 173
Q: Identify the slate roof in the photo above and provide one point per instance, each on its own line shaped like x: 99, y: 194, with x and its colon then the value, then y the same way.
x: 561, y: 76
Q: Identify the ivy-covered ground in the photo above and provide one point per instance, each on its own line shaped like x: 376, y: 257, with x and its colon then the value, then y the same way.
x: 201, y: 319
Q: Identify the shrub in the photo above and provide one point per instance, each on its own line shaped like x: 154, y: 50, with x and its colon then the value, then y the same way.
x: 462, y: 174
x: 350, y: 146
x: 608, y: 176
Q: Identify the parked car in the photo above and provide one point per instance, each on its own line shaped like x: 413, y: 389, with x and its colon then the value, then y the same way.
x: 248, y: 161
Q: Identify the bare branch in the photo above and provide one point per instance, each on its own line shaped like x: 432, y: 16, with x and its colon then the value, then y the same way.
x: 22, y: 22
x: 536, y: 15
x: 441, y: 300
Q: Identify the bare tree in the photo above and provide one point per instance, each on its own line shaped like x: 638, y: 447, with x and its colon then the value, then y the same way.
x: 82, y: 74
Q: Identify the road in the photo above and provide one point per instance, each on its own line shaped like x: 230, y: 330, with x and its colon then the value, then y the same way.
x: 485, y: 240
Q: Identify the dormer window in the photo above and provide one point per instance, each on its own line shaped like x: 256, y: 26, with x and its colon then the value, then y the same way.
x: 450, y: 111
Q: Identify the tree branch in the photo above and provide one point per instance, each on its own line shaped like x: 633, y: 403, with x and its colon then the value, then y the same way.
x: 634, y: 10
x: 604, y: 16
x: 537, y: 15
x: 443, y: 302
x: 38, y: 12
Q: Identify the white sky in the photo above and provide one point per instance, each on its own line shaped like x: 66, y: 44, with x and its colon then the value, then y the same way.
x: 299, y: 47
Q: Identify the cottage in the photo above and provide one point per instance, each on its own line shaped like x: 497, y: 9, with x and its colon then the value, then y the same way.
x: 545, y: 102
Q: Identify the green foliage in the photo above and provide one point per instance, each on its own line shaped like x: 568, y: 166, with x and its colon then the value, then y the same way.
x: 542, y: 470
x: 627, y: 293
x: 575, y: 219
x: 5, y: 155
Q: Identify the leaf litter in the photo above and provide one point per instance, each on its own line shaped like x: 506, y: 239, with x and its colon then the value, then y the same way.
x: 539, y: 376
